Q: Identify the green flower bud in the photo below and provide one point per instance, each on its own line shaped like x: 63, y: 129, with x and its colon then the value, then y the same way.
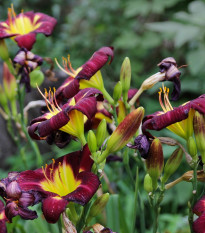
x: 9, y: 82
x: 98, y: 206
x: 148, y: 183
x: 191, y: 145
x: 125, y: 130
x: 36, y: 78
x: 125, y: 77
x: 92, y: 142
x: 4, y: 54
x: 199, y: 131
x: 101, y: 133
x: 117, y: 91
x: 155, y: 161
x: 172, y: 164
x: 125, y: 74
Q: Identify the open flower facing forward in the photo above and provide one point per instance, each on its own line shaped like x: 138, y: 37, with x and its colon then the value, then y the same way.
x: 24, y: 27
x: 67, y: 179
x: 69, y: 118
x: 88, y: 71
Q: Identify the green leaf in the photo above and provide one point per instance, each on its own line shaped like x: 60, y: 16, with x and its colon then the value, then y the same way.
x: 196, y: 60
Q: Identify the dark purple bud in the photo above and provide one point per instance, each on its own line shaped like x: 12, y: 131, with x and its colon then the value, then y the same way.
x: 26, y: 199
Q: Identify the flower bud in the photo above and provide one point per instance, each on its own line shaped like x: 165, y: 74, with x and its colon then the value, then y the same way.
x: 98, y: 206
x: 3, y: 98
x: 92, y: 142
x: 13, y: 190
x: 125, y: 130
x: 199, y: 131
x: 155, y: 161
x: 101, y: 132
x: 125, y: 75
x: 117, y: 91
x: 172, y: 164
x: 192, y: 149
x: 36, y: 78
x: 9, y: 83
x: 4, y: 54
x: 148, y: 183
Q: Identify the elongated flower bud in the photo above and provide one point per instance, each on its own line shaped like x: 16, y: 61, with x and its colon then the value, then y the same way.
x: 98, y: 206
x: 172, y: 164
x: 125, y: 75
x: 117, y: 91
x: 4, y: 54
x: 92, y: 142
x: 155, y: 161
x: 9, y: 83
x: 148, y: 183
x: 101, y: 132
x: 125, y: 130
x: 191, y: 145
x: 3, y: 97
x: 199, y: 131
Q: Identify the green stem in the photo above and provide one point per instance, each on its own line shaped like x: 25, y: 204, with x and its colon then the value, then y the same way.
x: 82, y: 139
x: 21, y: 94
x: 115, y: 115
x: 82, y: 220
x: 127, y: 166
x: 194, y: 196
x: 102, y: 157
x: 108, y: 97
x: 135, y: 201
x: 142, y: 215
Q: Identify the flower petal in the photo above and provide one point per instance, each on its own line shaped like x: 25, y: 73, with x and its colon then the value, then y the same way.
x: 199, y: 207
x: 52, y: 208
x: 199, y: 224
x: 26, y: 41
x: 96, y: 62
x: 89, y: 185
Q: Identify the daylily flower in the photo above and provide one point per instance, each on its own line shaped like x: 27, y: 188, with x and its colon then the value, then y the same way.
x: 3, y: 218
x: 69, y: 118
x: 17, y: 201
x: 24, y: 27
x: 199, y: 209
x: 179, y: 120
x: 88, y: 71
x: 67, y: 179
x: 25, y: 61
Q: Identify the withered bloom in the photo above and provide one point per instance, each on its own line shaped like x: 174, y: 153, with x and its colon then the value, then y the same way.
x: 17, y: 201
x: 3, y: 218
x: 169, y: 66
x: 24, y: 27
x: 67, y: 179
x: 85, y: 72
x: 25, y: 62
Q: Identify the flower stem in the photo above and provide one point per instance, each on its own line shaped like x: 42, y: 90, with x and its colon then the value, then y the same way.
x: 21, y: 94
x: 108, y: 97
x: 103, y: 156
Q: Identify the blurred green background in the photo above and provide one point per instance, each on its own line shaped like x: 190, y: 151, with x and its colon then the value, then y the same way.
x: 146, y: 31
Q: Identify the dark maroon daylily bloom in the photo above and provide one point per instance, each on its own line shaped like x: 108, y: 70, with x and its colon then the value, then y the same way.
x: 69, y: 118
x: 71, y: 85
x: 179, y: 120
x: 199, y: 209
x: 3, y: 218
x: 68, y: 178
x: 24, y: 27
x: 26, y: 62
x: 17, y: 201
x: 169, y: 66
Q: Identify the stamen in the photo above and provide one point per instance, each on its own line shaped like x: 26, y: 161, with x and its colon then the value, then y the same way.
x: 66, y: 63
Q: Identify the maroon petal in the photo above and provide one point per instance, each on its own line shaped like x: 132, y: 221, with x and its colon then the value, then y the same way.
x: 54, y: 123
x: 89, y: 185
x: 86, y: 161
x: 12, y: 210
x: 96, y: 62
x: 158, y: 122
x: 199, y: 207
x: 199, y: 224
x: 52, y: 208
x: 47, y: 24
x: 26, y: 41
